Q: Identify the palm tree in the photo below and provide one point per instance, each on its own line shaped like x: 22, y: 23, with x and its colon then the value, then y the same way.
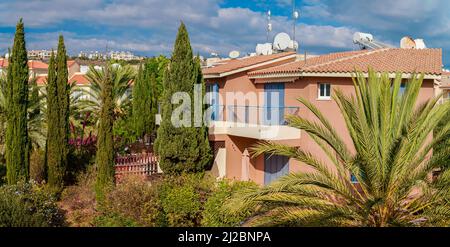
x: 122, y: 77
x: 390, y: 159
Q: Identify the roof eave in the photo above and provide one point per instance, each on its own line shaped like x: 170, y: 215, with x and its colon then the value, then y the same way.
x: 335, y: 74
x: 231, y: 72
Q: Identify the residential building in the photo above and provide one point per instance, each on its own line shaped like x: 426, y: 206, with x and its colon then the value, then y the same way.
x: 278, y: 80
x: 123, y: 55
x: 92, y: 55
x: 40, y: 54
x: 36, y: 67
x: 445, y: 86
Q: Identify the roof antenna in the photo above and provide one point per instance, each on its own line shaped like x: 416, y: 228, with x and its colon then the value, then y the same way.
x: 269, y: 25
x: 295, y: 16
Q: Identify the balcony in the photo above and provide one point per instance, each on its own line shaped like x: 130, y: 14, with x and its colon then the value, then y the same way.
x: 258, y: 122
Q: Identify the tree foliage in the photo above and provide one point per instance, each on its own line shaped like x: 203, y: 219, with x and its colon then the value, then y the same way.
x: 16, y: 98
x: 185, y: 148
x: 105, y: 146
x: 58, y: 91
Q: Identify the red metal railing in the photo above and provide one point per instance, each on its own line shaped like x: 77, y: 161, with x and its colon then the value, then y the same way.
x: 136, y: 164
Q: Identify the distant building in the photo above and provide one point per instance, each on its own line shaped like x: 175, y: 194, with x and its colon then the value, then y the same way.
x: 40, y: 54
x: 123, y: 55
x: 92, y: 55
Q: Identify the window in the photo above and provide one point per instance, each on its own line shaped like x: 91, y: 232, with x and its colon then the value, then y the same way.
x: 324, y: 91
x: 402, y: 88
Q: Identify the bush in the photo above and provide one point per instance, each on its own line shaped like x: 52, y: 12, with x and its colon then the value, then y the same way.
x: 183, y: 198
x: 79, y: 200
x: 182, y: 206
x: 28, y: 205
x: 37, y: 165
x: 167, y: 201
x: 130, y: 203
x: 215, y: 214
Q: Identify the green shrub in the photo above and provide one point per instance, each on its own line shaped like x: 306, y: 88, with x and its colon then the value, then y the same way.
x: 167, y: 201
x: 182, y: 206
x: 27, y: 205
x: 114, y: 220
x: 215, y: 214
x: 133, y: 202
x: 183, y: 197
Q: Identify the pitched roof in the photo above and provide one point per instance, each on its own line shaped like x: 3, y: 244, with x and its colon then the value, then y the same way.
x: 243, y: 63
x: 41, y: 80
x: 427, y: 61
x: 35, y: 64
x: 79, y: 78
x: 70, y: 63
x: 32, y: 64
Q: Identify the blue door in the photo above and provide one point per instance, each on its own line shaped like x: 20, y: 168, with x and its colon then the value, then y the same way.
x: 275, y: 166
x: 214, y: 100
x: 274, y: 104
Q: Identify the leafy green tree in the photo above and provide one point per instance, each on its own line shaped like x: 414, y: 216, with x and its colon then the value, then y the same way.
x: 58, y: 91
x: 16, y: 91
x: 390, y: 161
x: 105, y: 146
x: 181, y: 149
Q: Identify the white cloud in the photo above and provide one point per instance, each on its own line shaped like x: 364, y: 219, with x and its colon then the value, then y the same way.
x: 149, y: 26
x: 212, y: 29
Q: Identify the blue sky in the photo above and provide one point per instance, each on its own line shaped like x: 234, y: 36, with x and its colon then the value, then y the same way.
x: 148, y: 27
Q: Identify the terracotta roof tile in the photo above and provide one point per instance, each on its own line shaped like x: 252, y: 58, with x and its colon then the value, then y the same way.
x: 32, y: 64
x: 428, y: 61
x: 70, y: 63
x: 35, y: 64
x: 243, y: 62
x: 79, y: 78
x: 41, y: 80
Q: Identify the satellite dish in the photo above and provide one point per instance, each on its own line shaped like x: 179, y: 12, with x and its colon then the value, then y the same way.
x: 420, y: 44
x: 281, y: 41
x: 264, y: 49
x: 407, y: 43
x: 364, y: 37
x: 234, y: 54
x: 293, y: 45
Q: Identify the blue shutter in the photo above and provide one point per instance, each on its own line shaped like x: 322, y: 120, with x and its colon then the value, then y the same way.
x: 214, y: 90
x: 274, y: 114
x: 275, y: 166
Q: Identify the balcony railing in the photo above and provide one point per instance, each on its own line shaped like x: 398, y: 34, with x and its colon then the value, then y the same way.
x: 258, y: 115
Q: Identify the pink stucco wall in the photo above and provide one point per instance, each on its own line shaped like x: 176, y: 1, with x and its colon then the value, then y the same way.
x: 303, y: 87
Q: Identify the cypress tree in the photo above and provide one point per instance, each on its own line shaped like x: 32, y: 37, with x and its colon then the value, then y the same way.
x: 139, y: 106
x: 144, y: 102
x: 57, y: 117
x: 105, y: 147
x: 181, y: 149
x: 17, y: 143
